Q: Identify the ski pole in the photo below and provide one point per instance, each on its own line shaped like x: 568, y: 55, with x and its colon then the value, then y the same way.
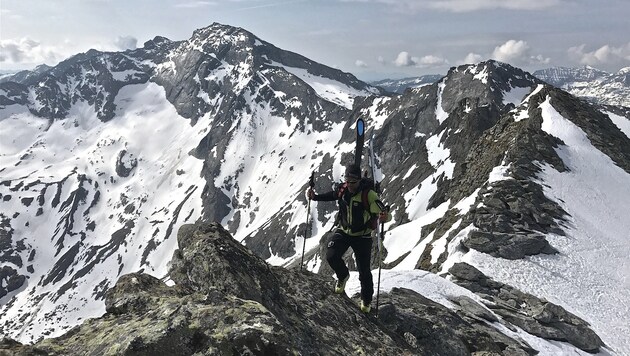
x: 311, y: 184
x: 380, y: 258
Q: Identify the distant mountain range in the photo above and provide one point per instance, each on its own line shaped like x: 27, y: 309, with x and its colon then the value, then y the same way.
x: 510, y: 188
x: 586, y: 82
x: 400, y: 85
x: 590, y: 83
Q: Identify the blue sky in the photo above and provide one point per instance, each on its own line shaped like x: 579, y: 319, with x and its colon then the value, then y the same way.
x: 372, y: 39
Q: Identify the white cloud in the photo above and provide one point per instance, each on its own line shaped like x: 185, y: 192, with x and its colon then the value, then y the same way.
x: 360, y: 63
x: 126, y: 42
x: 431, y: 61
x: 27, y: 50
x: 511, y: 51
x: 404, y: 59
x: 471, y: 58
x: 381, y: 60
x: 606, y: 54
x: 517, y: 52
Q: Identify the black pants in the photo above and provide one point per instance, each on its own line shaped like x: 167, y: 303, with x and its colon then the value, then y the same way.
x: 362, y: 247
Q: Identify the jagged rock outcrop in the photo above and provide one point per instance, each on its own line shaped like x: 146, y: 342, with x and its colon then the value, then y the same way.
x: 532, y: 314
x: 125, y: 163
x: 227, y: 301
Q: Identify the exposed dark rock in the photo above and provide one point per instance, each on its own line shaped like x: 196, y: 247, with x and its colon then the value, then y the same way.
x: 509, y: 246
x: 536, y: 316
x: 10, y: 280
x: 437, y: 331
x: 125, y: 163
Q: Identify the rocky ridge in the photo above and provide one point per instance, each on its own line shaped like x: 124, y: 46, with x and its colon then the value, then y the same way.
x: 225, y: 300
x: 479, y: 131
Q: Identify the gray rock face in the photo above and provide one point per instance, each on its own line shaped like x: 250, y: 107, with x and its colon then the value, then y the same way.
x: 536, y: 316
x: 10, y: 280
x: 434, y: 330
x: 228, y: 301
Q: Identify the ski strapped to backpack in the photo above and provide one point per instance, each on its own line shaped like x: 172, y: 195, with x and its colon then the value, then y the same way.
x: 367, y: 184
x: 358, y: 150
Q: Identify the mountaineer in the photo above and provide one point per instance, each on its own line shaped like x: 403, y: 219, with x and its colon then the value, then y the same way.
x: 360, y: 212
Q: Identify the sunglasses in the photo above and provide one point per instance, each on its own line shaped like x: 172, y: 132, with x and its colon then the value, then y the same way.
x: 351, y: 181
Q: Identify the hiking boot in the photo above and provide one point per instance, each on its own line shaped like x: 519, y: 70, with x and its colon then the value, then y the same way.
x: 341, y: 285
x: 365, y: 306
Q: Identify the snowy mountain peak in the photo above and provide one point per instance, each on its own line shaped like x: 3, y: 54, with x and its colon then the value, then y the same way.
x: 560, y: 76
x: 217, y: 36
x: 494, y: 72
x: 490, y: 82
x: 400, y: 85
x: 156, y: 42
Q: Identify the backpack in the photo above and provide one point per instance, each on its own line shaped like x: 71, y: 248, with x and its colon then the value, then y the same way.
x: 366, y: 185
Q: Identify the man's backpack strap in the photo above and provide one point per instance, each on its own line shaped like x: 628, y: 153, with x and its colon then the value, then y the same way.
x: 373, y: 222
x: 365, y: 200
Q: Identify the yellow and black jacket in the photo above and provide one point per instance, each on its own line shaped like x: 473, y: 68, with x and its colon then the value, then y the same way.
x: 358, y: 212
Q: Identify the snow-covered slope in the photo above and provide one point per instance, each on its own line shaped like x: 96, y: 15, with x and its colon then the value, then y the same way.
x: 589, y: 275
x: 75, y: 221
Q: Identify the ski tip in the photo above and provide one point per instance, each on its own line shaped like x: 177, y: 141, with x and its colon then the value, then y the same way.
x: 360, y: 127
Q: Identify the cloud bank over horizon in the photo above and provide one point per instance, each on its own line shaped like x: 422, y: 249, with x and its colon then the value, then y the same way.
x: 370, y: 38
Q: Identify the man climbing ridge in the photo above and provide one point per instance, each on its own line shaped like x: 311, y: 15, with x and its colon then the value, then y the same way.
x: 360, y: 212
x: 357, y: 219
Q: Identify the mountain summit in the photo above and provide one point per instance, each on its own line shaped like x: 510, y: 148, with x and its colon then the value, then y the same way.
x: 501, y: 183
